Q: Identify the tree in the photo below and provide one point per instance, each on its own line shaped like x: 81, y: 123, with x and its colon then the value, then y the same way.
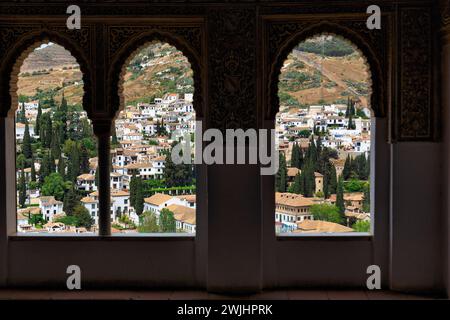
x: 21, y: 117
x: 296, y: 157
x: 46, y: 130
x: 38, y: 119
x: 71, y: 200
x: 332, y: 180
x: 33, y: 170
x: 340, y: 197
x: 35, y: 219
x: 167, y: 221
x: 326, y: 212
x: 61, y: 115
x: 177, y: 175
x: 139, y: 197
x: 55, y: 143
x: 309, y: 180
x: 54, y: 186
x: 361, y: 226
x: 61, y: 167
x: 351, y: 123
x: 84, y: 219
x: 22, y: 189
x: 68, y: 220
x: 133, y: 188
x: 281, y: 177
x: 73, y: 164
x: 84, y: 159
x: 44, y: 170
x: 347, y: 167
x: 297, y: 186
x: 148, y: 223
x: 114, y: 141
x: 366, y: 199
x: 21, y: 161
x: 26, y: 143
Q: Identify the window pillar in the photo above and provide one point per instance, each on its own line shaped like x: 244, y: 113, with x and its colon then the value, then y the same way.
x: 102, y: 130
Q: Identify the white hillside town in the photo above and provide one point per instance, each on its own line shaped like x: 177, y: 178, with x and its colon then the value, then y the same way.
x: 132, y: 156
x: 320, y: 145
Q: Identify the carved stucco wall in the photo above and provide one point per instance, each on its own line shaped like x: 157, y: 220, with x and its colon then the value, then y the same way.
x: 401, y: 54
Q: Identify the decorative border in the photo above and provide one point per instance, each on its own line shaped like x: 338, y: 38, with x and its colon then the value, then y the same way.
x: 282, y: 37
x: 123, y: 41
x: 18, y: 40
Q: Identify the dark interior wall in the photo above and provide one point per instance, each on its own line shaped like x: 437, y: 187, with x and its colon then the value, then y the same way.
x: 235, y: 49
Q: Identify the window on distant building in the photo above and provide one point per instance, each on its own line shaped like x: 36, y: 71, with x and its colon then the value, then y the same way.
x: 55, y: 148
x: 324, y: 136
x: 158, y: 89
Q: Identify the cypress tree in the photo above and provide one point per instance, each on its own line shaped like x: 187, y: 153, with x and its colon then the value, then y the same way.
x: 55, y: 144
x: 22, y: 190
x: 326, y: 182
x: 44, y: 169
x: 71, y: 200
x: 296, y: 156
x: 366, y: 199
x: 340, y: 197
x: 84, y: 160
x: 74, y: 163
x: 347, y: 111
x: 139, y: 198
x: 38, y: 119
x: 297, y: 187
x: 347, y: 167
x: 33, y: 171
x: 332, y: 180
x: 48, y: 131
x: 133, y: 189
x: 309, y: 181
x: 26, y: 143
x: 312, y: 151
x: 351, y: 125
x: 281, y: 177
x: 61, y: 167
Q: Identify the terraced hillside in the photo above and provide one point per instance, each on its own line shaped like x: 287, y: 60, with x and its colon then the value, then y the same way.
x: 155, y: 70
x: 323, y: 70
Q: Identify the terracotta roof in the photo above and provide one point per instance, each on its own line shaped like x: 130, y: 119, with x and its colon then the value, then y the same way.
x: 88, y: 200
x: 49, y: 200
x: 119, y: 193
x: 353, y: 196
x: 182, y: 213
x: 292, y: 200
x: 158, y: 199
x: 319, y: 226
x: 86, y: 176
x: 138, y: 165
x: 188, y: 197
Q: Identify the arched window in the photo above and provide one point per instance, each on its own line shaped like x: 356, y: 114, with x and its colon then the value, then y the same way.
x: 324, y: 137
x: 151, y: 194
x: 55, y: 148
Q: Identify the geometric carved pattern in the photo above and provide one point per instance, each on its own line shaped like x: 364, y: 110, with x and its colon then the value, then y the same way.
x: 415, y: 112
x: 232, y: 68
x: 404, y: 59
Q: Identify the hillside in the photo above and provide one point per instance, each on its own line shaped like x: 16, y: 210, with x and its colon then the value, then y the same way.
x: 323, y: 70
x: 154, y: 71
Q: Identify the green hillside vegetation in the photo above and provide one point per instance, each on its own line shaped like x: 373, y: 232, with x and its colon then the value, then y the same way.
x: 329, y: 46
